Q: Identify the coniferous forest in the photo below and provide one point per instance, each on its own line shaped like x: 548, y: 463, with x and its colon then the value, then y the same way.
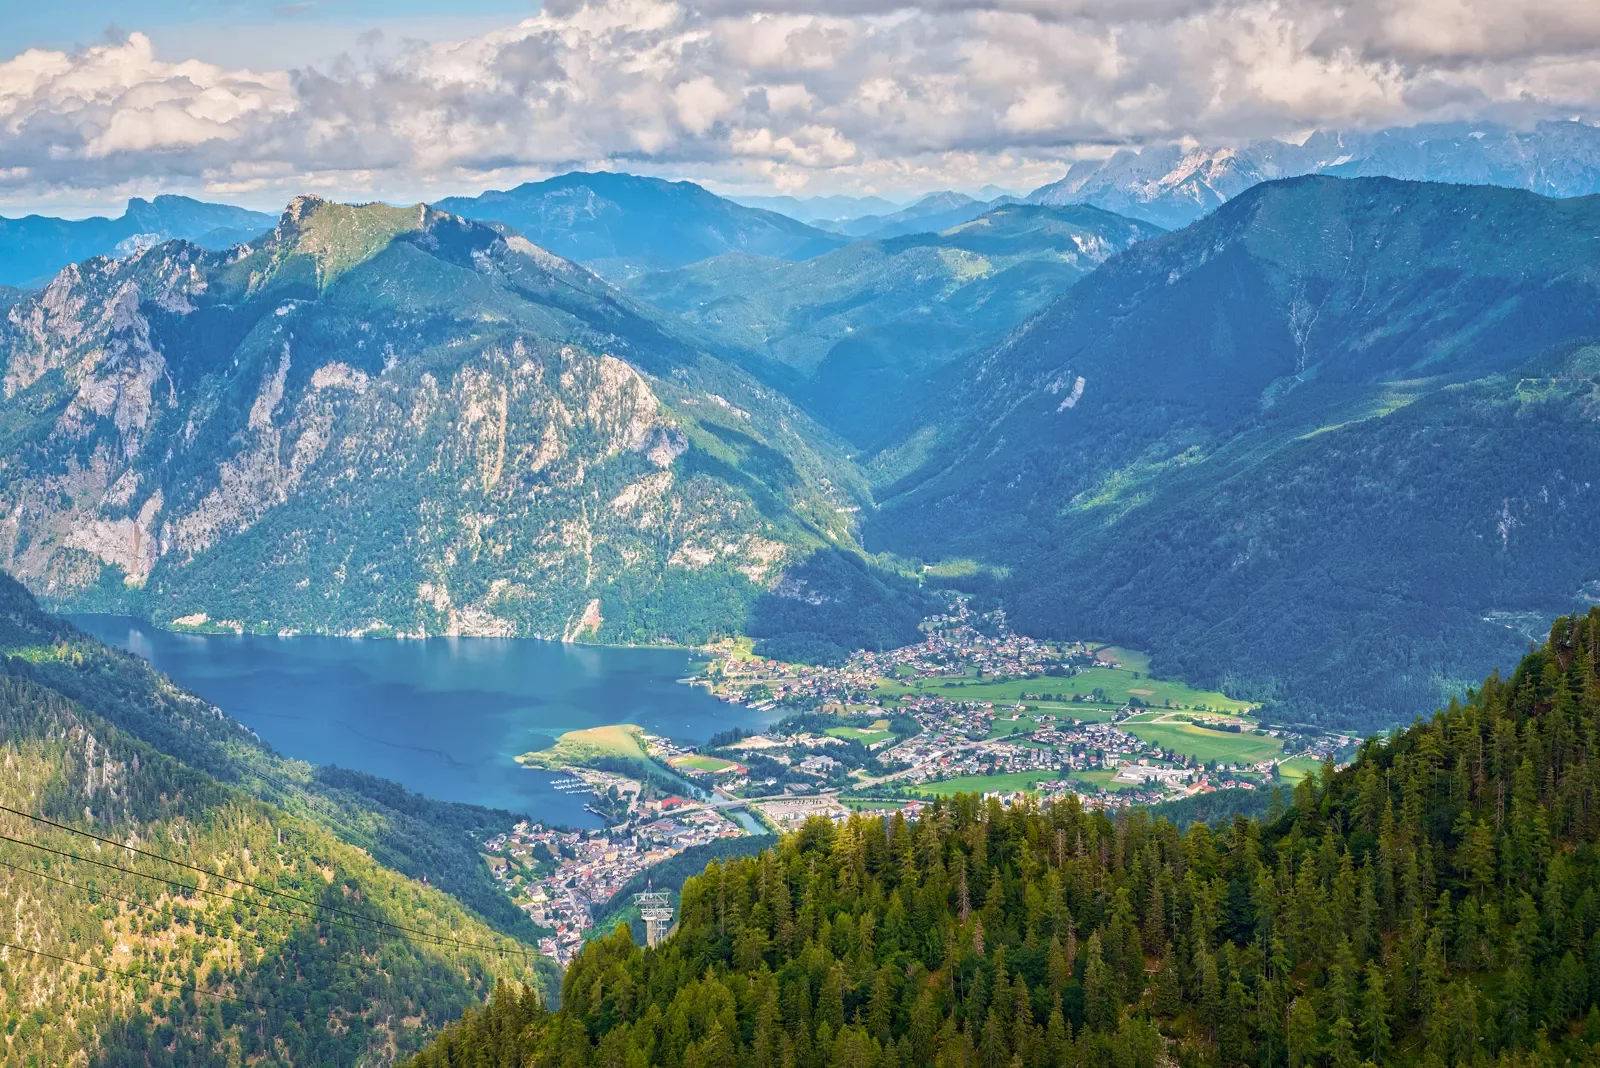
x: 1437, y: 903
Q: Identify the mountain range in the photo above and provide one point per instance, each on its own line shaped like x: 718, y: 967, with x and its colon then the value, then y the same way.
x: 34, y: 248
x: 856, y: 330
x: 1221, y: 444
x: 1328, y: 446
x: 620, y: 225
x: 378, y: 420
x: 822, y: 209
x: 1172, y: 185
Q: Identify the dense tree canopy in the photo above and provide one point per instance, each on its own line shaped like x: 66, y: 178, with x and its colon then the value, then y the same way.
x: 1437, y: 903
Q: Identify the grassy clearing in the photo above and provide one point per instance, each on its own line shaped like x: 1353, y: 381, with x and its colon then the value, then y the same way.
x: 1008, y: 782
x: 1294, y: 769
x: 1005, y: 726
x: 579, y: 748
x: 1127, y: 659
x: 1202, y: 744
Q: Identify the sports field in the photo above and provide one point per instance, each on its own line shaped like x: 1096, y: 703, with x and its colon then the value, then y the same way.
x: 1101, y: 778
x: 1009, y: 782
x: 875, y: 732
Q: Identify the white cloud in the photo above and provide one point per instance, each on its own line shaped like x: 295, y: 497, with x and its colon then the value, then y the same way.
x: 829, y: 93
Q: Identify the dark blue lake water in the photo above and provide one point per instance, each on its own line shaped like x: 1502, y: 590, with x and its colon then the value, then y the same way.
x: 445, y: 716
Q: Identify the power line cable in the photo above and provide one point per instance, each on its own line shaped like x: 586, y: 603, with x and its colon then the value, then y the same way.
x: 430, y: 938
x: 228, y: 878
x: 96, y: 891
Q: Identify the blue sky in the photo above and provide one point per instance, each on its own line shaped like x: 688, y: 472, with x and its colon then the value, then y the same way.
x: 271, y: 33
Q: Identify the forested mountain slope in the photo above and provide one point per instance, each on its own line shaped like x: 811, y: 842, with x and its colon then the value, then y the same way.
x: 854, y: 333
x: 381, y: 420
x: 160, y: 913
x: 1437, y: 903
x: 1322, y: 446
x: 621, y: 224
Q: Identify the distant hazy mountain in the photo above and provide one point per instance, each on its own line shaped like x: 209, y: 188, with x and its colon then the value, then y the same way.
x: 620, y: 225
x: 1333, y: 445
x: 34, y: 248
x: 1172, y: 186
x: 853, y: 333
x: 931, y: 214
x: 835, y: 208
x: 384, y: 419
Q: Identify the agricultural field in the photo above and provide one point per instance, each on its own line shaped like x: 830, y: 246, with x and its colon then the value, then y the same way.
x: 1170, y: 731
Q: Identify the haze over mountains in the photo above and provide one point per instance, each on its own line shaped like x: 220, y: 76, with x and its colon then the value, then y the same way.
x: 858, y: 331
x: 34, y: 248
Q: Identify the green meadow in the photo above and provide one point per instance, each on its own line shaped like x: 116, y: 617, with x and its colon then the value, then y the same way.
x: 1190, y: 739
x: 1116, y: 685
x: 1294, y: 769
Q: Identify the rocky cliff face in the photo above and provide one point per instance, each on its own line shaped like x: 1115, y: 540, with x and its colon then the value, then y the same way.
x: 380, y: 420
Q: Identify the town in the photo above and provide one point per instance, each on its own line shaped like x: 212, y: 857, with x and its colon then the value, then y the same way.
x: 973, y: 708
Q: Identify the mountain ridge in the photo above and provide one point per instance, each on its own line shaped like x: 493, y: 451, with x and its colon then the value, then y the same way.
x: 1307, y: 317
x: 460, y: 389
x: 843, y: 331
x: 621, y: 224
x: 263, y: 916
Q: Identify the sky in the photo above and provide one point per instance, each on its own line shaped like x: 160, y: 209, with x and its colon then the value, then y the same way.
x: 253, y: 101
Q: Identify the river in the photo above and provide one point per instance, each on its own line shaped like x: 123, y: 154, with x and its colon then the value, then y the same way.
x: 443, y: 716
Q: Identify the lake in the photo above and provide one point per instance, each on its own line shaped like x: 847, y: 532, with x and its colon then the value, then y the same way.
x: 443, y: 716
